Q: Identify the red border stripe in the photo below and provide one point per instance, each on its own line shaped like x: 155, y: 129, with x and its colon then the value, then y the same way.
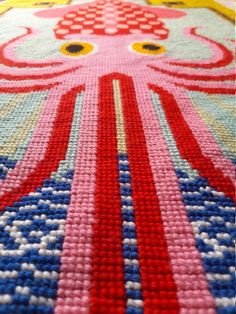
x: 57, y: 148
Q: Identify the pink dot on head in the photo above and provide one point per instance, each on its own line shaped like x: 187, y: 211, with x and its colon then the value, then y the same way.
x: 90, y: 15
x: 138, y: 12
x: 121, y: 19
x: 135, y: 31
x: 71, y: 15
x: 154, y: 22
x: 149, y: 15
x: 142, y: 19
x: 132, y: 22
x: 160, y: 31
x: 76, y: 26
x: 99, y: 26
x: 143, y: 26
x: 88, y: 22
x: 130, y: 16
x: 62, y: 31
x: 66, y: 22
x: 110, y: 22
x: 86, y: 31
x: 79, y: 19
x: 110, y: 30
x: 123, y: 26
x: 110, y: 15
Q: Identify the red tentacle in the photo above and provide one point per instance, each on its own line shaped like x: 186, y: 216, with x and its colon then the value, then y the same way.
x: 195, y: 157
x: 224, y: 60
x: 21, y: 64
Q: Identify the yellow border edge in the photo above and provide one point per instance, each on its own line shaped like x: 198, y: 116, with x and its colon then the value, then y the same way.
x: 209, y: 4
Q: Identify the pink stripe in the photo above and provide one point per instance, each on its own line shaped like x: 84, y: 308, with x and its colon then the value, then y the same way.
x: 37, y: 146
x: 75, y: 276
x: 205, y: 139
x: 194, y: 72
x: 192, y: 287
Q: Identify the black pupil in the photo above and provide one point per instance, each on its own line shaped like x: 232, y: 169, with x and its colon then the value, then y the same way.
x: 151, y: 47
x: 74, y: 48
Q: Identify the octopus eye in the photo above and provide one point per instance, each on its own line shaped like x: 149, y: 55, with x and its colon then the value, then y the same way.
x: 148, y: 48
x: 76, y: 49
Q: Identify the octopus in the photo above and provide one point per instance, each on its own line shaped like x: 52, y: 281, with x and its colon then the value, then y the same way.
x: 98, y: 39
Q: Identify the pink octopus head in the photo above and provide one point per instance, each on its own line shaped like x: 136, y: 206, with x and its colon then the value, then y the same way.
x: 111, y: 18
x: 114, y: 36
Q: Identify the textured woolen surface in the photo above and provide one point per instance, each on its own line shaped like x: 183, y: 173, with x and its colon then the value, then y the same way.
x: 117, y: 154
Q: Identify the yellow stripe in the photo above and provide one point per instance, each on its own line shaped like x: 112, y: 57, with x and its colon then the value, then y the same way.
x: 223, y: 105
x: 11, y: 105
x: 219, y: 129
x: 20, y: 134
x: 120, y: 127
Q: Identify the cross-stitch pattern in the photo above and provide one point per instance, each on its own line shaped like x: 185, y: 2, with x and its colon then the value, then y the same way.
x: 117, y: 159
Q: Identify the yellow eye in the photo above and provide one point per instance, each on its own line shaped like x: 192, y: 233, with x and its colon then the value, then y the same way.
x: 148, y: 48
x: 76, y: 49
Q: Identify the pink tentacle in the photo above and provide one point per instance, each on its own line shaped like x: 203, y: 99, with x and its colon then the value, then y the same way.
x: 228, y: 74
x: 26, y: 89
x: 226, y: 90
x: 196, y: 85
x: 44, y: 76
x: 221, y: 56
x: 42, y: 130
x: 22, y: 64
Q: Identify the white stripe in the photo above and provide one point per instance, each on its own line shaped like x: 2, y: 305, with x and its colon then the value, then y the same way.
x: 123, y: 162
x: 227, y: 208
x: 130, y: 241
x: 41, y: 300
x: 133, y: 285
x: 128, y: 223
x: 22, y: 290
x: 195, y: 207
x: 45, y: 274
x: 218, y: 276
x: 129, y: 198
x: 8, y: 274
x: 225, y: 302
x: 135, y: 303
x: 128, y: 261
x: 125, y: 207
x: 5, y: 298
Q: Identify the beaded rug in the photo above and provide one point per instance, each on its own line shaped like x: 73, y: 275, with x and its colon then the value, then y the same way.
x: 117, y: 154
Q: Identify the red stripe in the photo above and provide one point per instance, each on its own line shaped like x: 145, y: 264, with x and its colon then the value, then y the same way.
x: 107, y: 291
x: 192, y: 152
x: 158, y: 286
x: 56, y: 150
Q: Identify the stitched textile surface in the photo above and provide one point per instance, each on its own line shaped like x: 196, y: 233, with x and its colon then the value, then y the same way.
x: 117, y: 157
